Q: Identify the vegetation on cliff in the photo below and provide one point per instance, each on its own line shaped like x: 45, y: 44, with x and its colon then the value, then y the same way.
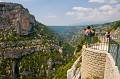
x: 41, y: 64
x: 61, y: 72
x: 51, y: 52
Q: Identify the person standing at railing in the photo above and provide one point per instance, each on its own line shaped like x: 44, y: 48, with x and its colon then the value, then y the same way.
x: 88, y: 35
x: 107, y: 36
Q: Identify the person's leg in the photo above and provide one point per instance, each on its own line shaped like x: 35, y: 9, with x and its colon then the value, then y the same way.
x: 85, y: 41
x: 89, y: 40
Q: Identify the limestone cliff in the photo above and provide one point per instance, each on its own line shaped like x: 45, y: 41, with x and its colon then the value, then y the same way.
x: 13, y: 15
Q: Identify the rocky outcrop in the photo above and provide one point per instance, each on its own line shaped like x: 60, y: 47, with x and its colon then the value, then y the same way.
x: 15, y: 16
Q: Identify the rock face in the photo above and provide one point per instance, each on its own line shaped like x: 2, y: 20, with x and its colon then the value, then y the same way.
x: 13, y: 15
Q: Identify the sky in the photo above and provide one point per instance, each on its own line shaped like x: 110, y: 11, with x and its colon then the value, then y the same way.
x: 72, y: 12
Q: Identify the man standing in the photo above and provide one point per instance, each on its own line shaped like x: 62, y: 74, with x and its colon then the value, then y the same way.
x: 88, y: 34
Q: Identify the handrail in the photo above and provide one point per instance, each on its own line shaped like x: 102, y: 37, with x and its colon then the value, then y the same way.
x: 99, y: 42
x: 114, y: 50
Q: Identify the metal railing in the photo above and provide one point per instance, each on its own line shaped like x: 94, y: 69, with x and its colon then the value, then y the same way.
x: 114, y: 49
x: 98, y: 42
x: 111, y: 45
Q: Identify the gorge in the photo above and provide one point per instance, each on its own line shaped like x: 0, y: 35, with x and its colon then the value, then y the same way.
x: 32, y: 50
x: 28, y: 49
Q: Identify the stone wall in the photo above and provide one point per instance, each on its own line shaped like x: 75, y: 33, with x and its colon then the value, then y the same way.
x: 98, y: 64
x: 93, y: 63
x: 74, y: 72
x: 111, y: 71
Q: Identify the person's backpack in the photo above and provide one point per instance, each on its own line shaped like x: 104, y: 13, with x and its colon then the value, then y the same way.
x: 93, y: 33
x: 90, y: 33
x: 108, y: 36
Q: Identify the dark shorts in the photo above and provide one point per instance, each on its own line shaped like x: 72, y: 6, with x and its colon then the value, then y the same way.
x: 88, y: 39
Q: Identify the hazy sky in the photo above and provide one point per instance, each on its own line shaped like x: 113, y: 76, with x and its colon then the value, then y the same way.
x: 72, y: 12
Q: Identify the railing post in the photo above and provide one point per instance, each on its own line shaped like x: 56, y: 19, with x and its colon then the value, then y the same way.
x: 116, y: 58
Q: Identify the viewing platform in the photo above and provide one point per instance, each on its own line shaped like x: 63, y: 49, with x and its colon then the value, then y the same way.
x: 100, y: 59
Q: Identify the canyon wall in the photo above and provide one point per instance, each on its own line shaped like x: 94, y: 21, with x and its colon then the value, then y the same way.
x: 13, y: 15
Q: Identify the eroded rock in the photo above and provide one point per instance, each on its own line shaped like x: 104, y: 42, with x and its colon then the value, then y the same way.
x: 16, y: 16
